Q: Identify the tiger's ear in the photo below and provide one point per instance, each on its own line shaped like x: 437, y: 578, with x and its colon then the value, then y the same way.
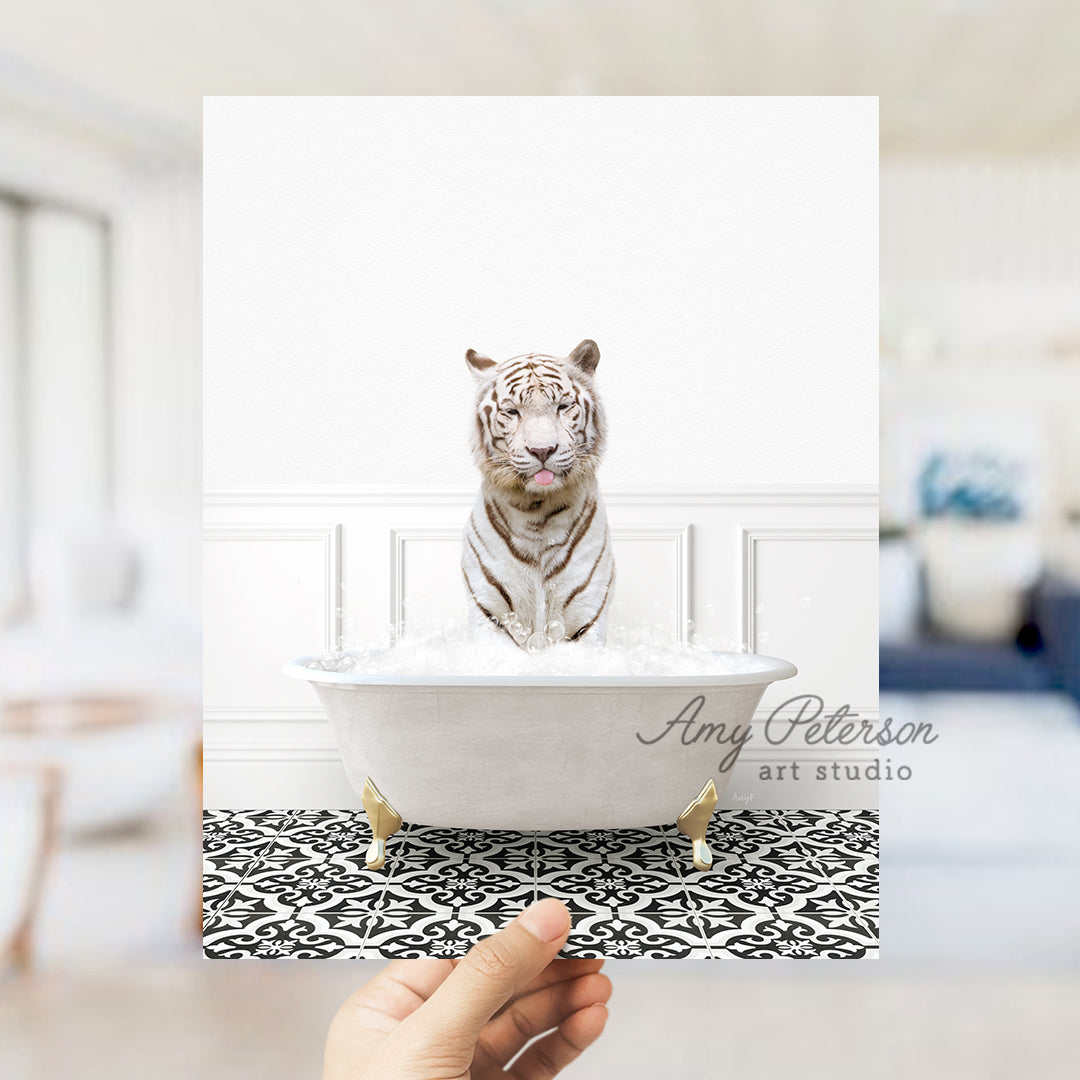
x: 586, y: 356
x: 480, y: 366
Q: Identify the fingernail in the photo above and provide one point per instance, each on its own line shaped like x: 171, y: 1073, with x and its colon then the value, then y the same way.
x: 547, y: 919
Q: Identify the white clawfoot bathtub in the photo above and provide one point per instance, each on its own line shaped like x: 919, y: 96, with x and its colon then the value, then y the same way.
x: 542, y: 752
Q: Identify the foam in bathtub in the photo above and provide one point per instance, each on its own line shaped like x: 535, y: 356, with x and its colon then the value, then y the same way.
x: 437, y: 655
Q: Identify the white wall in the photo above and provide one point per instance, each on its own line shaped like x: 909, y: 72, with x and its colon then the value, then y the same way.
x: 722, y: 252
x: 980, y: 286
x: 158, y: 381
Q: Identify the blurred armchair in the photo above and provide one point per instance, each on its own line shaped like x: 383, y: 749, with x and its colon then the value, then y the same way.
x: 1045, y: 656
x: 1057, y: 614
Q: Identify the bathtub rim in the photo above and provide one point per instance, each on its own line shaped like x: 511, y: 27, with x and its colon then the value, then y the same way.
x: 777, y: 671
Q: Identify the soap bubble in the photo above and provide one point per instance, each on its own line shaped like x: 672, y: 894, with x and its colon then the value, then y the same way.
x: 645, y: 651
x: 710, y: 609
x: 759, y: 607
x: 763, y: 637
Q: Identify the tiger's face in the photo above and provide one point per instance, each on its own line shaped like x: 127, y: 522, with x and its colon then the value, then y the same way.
x: 539, y: 424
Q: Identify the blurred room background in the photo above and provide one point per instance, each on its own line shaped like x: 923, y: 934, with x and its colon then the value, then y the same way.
x: 99, y: 482
x: 980, y: 550
x: 980, y: 494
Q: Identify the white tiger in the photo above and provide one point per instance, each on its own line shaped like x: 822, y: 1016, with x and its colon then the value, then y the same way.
x: 537, y: 542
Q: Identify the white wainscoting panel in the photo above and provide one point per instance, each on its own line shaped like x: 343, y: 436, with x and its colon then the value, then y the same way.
x: 652, y: 576
x: 740, y: 562
x: 803, y: 587
x: 425, y: 570
x: 653, y: 583
x: 271, y: 591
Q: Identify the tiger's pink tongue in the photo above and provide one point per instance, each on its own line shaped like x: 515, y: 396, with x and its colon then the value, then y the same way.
x: 544, y: 476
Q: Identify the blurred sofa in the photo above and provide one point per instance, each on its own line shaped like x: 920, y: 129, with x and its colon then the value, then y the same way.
x: 1045, y: 656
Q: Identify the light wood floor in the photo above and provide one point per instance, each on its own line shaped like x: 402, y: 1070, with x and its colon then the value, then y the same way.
x: 265, y: 1021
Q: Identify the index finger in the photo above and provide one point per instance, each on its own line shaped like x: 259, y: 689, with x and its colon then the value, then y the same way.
x: 493, y: 971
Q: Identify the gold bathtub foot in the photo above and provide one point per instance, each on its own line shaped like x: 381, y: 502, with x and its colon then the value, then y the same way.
x: 385, y: 821
x: 694, y: 822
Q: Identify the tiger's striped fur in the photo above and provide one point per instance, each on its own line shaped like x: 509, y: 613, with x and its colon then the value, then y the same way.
x: 543, y: 552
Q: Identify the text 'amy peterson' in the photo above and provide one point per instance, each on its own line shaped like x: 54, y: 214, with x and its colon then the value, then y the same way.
x: 841, y: 727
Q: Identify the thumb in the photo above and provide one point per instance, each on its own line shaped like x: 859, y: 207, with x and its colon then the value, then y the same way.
x: 492, y: 972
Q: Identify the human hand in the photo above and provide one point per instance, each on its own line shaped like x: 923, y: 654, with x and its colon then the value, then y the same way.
x: 466, y: 1019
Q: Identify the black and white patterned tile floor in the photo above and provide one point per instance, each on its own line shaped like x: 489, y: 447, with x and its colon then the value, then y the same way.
x: 800, y: 884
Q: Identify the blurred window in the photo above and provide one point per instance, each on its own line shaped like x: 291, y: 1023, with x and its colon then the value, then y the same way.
x: 56, y: 384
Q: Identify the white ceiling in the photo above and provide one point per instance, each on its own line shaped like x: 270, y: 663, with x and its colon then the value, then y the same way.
x: 954, y: 76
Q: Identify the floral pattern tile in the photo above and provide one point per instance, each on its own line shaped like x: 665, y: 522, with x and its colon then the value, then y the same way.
x: 233, y: 843
x: 790, y: 884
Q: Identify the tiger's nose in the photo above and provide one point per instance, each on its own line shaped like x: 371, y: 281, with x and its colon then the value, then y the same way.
x: 541, y: 453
